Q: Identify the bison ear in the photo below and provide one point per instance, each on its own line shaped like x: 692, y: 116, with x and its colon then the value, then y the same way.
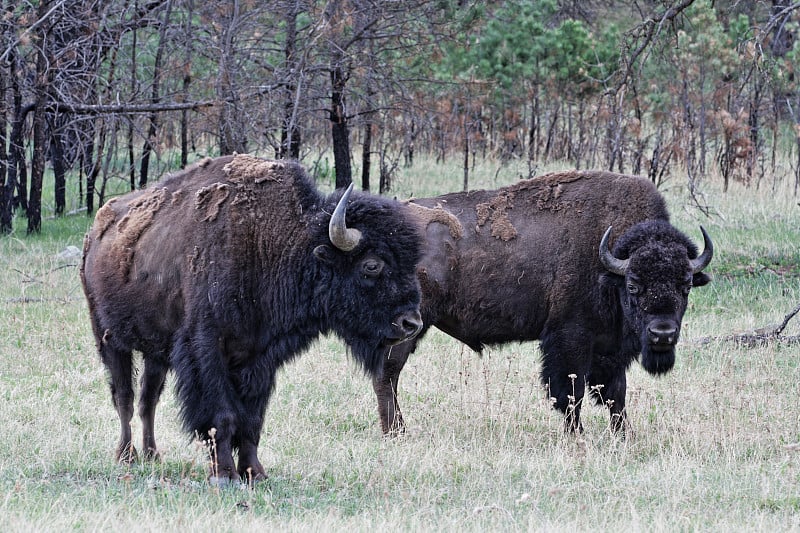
x: 324, y: 253
x: 700, y: 279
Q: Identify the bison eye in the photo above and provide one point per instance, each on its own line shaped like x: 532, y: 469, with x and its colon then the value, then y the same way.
x: 372, y: 267
x: 686, y: 289
x: 634, y: 288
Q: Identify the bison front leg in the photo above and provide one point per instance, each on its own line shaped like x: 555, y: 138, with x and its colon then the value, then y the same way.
x: 610, y: 391
x: 564, y: 374
x: 385, y: 386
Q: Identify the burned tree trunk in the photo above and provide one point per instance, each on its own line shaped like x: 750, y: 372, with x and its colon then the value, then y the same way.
x: 340, y: 132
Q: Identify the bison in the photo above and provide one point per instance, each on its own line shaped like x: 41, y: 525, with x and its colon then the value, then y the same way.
x: 532, y: 261
x: 226, y: 271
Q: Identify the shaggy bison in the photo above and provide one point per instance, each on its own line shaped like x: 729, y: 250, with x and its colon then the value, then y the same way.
x: 532, y: 261
x: 226, y: 271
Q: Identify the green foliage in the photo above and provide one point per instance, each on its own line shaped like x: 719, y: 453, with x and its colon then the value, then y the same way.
x: 520, y: 45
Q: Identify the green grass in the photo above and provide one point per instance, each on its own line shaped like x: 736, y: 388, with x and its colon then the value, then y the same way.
x: 711, y: 448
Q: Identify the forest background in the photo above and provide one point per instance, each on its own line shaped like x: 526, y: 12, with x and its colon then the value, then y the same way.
x: 110, y: 95
x: 411, y: 98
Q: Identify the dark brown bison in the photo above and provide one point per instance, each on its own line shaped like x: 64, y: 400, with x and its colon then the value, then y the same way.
x: 521, y: 263
x: 226, y: 271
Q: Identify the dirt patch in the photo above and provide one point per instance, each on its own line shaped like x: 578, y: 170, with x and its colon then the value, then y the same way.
x: 104, y: 219
x: 548, y: 189
x: 130, y: 227
x: 211, y: 199
x: 245, y: 168
x: 427, y: 216
x: 495, y: 211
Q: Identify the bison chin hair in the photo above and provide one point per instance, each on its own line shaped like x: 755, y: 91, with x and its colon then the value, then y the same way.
x: 657, y: 361
x: 368, y: 355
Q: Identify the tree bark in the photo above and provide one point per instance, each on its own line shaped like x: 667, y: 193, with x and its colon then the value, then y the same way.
x: 39, y: 127
x: 366, y: 155
x: 153, y: 128
x: 187, y: 80
x: 290, y: 133
x: 231, y: 136
x: 59, y: 167
x: 6, y: 187
x: 339, y: 129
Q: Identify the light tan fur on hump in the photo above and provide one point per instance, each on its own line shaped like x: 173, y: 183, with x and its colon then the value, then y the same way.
x: 245, y: 168
x: 130, y: 227
x: 427, y: 215
x: 495, y: 211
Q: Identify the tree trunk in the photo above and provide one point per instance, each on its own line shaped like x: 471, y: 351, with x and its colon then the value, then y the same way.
x: 6, y: 186
x: 187, y: 79
x: 39, y: 128
x: 153, y: 128
x: 339, y: 129
x: 6, y: 224
x: 59, y: 168
x: 366, y: 155
x: 466, y: 149
x: 134, y: 89
x: 231, y: 137
x: 290, y: 134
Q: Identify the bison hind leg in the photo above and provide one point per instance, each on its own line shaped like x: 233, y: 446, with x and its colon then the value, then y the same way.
x: 120, y: 368
x: 153, y: 379
x: 385, y: 386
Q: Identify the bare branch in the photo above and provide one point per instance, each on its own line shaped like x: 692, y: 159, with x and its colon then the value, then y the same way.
x: 651, y: 29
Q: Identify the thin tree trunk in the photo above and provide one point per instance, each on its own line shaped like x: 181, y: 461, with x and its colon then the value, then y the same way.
x: 339, y: 128
x: 231, y: 137
x: 59, y: 168
x: 366, y: 155
x: 39, y: 128
x: 6, y: 187
x: 466, y: 151
x: 134, y: 90
x: 153, y: 129
x: 187, y: 79
x: 290, y: 134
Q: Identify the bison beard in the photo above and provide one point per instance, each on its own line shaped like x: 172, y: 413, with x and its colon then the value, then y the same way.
x: 226, y: 271
x: 531, y: 262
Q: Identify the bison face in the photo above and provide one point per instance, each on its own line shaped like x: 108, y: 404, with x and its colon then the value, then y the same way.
x: 369, y: 293
x: 653, y: 284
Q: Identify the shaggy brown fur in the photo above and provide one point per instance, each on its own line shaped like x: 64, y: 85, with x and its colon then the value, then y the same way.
x: 527, y: 267
x: 226, y: 271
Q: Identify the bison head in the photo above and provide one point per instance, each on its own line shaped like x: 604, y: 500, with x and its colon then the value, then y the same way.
x: 654, y: 266
x: 369, y: 265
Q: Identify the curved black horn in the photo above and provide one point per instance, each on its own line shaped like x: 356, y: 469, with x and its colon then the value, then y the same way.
x: 705, y: 258
x: 612, y: 264
x: 341, y: 236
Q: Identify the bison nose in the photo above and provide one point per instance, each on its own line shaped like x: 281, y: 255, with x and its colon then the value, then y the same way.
x: 408, y: 325
x: 662, y: 333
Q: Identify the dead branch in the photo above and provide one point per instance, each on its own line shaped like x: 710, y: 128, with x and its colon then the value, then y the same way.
x: 759, y: 337
x: 645, y: 34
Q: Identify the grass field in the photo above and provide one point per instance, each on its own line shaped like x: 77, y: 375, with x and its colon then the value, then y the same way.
x: 716, y: 443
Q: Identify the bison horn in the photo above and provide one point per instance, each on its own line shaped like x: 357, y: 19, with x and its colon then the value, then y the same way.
x: 342, y: 237
x: 612, y: 264
x: 705, y: 258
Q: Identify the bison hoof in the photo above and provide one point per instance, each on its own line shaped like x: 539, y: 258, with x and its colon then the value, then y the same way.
x: 221, y: 476
x: 151, y: 454
x: 253, y: 474
x: 126, y: 454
